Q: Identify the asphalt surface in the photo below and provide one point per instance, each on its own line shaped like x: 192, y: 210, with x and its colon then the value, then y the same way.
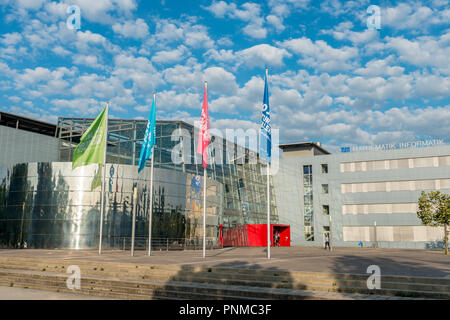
x: 399, y: 262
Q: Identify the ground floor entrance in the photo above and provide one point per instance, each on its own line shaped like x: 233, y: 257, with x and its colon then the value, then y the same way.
x: 255, y: 235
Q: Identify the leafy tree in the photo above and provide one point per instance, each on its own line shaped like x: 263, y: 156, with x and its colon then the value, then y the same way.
x: 434, y: 210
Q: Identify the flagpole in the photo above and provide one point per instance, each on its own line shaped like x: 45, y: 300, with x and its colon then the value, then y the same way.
x: 151, y: 190
x: 268, y: 146
x: 204, y: 212
x: 269, y: 238
x: 102, y: 202
x: 204, y: 200
x: 151, y: 207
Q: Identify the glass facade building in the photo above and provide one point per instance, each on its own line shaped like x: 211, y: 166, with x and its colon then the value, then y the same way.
x: 49, y: 205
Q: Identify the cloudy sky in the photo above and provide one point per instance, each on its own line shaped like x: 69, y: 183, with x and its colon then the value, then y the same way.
x: 331, y: 78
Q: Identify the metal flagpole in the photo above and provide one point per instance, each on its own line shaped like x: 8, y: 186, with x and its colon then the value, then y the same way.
x: 204, y: 212
x: 268, y: 213
x: 151, y: 206
x: 133, y: 227
x: 102, y: 202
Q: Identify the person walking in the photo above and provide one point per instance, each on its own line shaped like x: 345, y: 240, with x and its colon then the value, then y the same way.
x: 327, y: 242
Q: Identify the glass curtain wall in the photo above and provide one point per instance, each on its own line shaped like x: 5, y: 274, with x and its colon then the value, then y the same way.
x: 236, y: 190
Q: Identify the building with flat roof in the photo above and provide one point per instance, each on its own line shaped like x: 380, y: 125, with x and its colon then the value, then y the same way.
x: 46, y: 204
x: 26, y: 140
x: 368, y: 197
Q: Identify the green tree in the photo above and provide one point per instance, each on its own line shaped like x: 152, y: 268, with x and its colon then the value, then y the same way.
x: 434, y: 210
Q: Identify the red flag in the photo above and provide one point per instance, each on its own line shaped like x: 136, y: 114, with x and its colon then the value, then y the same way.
x: 203, y: 136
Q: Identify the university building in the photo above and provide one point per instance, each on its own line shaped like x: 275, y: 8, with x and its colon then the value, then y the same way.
x: 46, y: 204
x: 358, y: 198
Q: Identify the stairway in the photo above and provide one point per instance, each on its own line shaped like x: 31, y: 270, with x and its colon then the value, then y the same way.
x: 144, y: 281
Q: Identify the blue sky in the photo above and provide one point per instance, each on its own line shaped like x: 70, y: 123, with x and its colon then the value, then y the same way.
x: 331, y: 78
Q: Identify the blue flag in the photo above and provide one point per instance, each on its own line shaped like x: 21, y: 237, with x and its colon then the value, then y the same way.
x: 265, y: 138
x: 149, y: 138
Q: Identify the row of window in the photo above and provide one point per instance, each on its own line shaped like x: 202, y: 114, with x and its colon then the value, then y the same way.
x: 307, y: 170
x: 393, y: 233
x: 373, y: 208
x: 375, y: 165
x: 388, y: 186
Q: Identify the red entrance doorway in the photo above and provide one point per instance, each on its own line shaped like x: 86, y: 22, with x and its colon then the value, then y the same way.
x: 254, y: 235
x: 284, y: 233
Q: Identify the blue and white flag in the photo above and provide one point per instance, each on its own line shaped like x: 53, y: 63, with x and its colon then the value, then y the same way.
x: 265, y: 137
x: 149, y: 138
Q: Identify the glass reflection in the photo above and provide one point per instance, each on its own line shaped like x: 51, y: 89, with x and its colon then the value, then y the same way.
x: 49, y: 205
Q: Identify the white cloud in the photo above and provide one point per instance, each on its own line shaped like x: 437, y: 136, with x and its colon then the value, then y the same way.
x: 60, y: 51
x: 80, y: 106
x: 320, y: 55
x: 255, y: 30
x: 170, y: 99
x: 136, y: 29
x: 139, y: 70
x: 423, y: 51
x: 93, y: 85
x: 87, y: 60
x: 186, y: 31
x: 220, y: 81
x: 103, y: 11
x: 413, y: 16
x: 198, y: 37
x: 343, y: 32
x: 171, y: 56
x: 276, y: 21
x: 248, y: 12
x: 29, y: 4
x: 432, y: 85
x: 262, y: 55
x: 219, y: 9
x: 220, y: 55
x: 11, y: 38
x: 379, y: 67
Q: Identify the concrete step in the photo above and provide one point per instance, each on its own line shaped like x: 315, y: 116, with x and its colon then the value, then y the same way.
x: 301, y: 282
x: 113, y: 289
x: 236, y: 273
x: 306, y: 281
x: 161, y: 289
x: 172, y: 289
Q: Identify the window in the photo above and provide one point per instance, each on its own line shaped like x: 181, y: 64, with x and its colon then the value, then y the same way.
x: 308, y: 216
x: 324, y: 168
x: 325, y: 188
x: 307, y: 170
x: 326, y: 210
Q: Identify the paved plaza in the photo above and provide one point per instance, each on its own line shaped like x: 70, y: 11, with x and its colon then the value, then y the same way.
x: 7, y: 293
x: 398, y: 262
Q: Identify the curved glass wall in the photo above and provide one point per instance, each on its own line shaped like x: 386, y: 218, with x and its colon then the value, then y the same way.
x: 49, y: 205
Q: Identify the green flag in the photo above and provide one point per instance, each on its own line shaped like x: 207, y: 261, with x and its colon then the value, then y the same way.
x: 97, y: 180
x: 92, y: 144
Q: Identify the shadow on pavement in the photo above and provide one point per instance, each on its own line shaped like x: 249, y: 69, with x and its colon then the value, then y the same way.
x: 220, y: 283
x: 388, y: 266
